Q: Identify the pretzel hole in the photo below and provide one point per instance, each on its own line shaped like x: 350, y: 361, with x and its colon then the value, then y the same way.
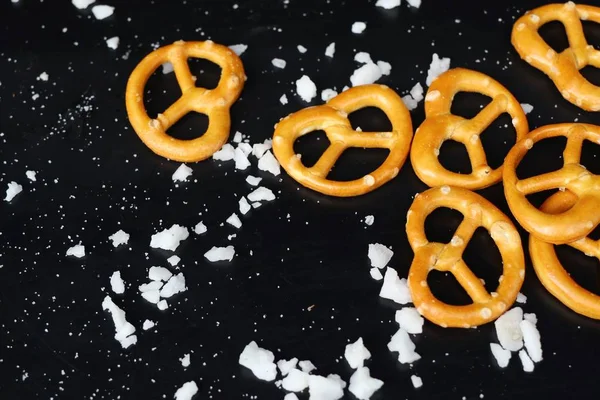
x: 311, y: 146
x: 590, y: 156
x: 446, y: 288
x: 497, y: 140
x: 484, y: 259
x: 191, y: 126
x: 206, y: 72
x: 469, y: 104
x: 591, y: 30
x: 370, y: 119
x: 454, y: 157
x: 591, y: 73
x: 595, y: 234
x: 354, y: 163
x: 555, y: 35
x: 441, y: 224
x: 583, y: 269
x: 161, y: 91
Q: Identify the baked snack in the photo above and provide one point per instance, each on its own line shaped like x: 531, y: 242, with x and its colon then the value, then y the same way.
x: 441, y: 125
x: 563, y: 68
x: 333, y: 119
x: 477, y: 212
x: 214, y: 103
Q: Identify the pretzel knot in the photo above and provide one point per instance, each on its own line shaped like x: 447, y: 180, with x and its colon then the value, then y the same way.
x: 440, y: 125
x: 477, y: 212
x: 550, y: 271
x: 579, y: 220
x: 333, y: 119
x: 563, y: 68
x: 213, y: 103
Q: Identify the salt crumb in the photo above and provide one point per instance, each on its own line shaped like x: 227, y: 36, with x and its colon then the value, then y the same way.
x: 225, y: 153
x: 307, y: 366
x: 237, y: 137
x: 306, y: 88
x: 241, y: 161
x: 384, y: 67
x: 394, y: 288
x: 363, y: 57
x: 376, y: 274
x: 159, y: 274
x: 185, y: 360
x: 278, y: 63
x: 162, y: 305
x: 269, y: 163
x: 113, y: 42
x: 200, y: 228
x: 325, y: 388
x: 527, y: 108
x: 330, y: 50
x: 388, y: 4
x: 362, y: 385
x: 124, y: 331
x: 82, y: 4
x: 102, y: 11
x: 261, y: 194
x: 508, y: 329
x: 358, y: 27
x: 187, y: 391
x: 244, y: 206
x: 301, y: 49
x: 366, y: 74
x: 295, y: 381
x: 169, y: 239
x: 182, y: 173
x: 379, y: 255
x: 285, y: 366
x: 116, y: 283
x: 176, y: 284
x: 402, y: 344
x: 76, y: 251
x: 356, y: 353
x: 531, y: 338
x: 328, y: 94
x: 526, y: 361
x: 521, y: 298
x: 13, y: 189
x: 234, y: 220
x: 410, y: 320
x: 259, y: 361
x: 43, y: 77
x: 30, y: 175
x: 501, y: 355
x: 437, y: 67
x: 119, y: 237
x: 259, y: 149
x: 220, y: 254
x: 253, y: 180
x: 369, y: 219
x: 238, y: 49
x: 148, y: 325
x: 173, y: 260
x: 283, y: 99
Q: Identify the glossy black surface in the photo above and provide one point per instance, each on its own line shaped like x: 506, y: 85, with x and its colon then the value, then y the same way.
x: 94, y: 176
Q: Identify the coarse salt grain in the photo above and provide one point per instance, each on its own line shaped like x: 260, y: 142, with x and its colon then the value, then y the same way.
x: 259, y: 149
x: 269, y: 163
x: 362, y: 385
x: 43, y: 77
x: 508, y: 329
x: 366, y: 74
x: 187, y: 391
x: 173, y: 260
x: 225, y: 153
x: 414, y: 3
x: 102, y: 11
x: 387, y: 4
x: 173, y: 286
x: 328, y: 94
x: 527, y: 108
x: 241, y: 161
x: 379, y: 255
x: 12, y: 190
x: 162, y: 305
x: 301, y: 49
x: 148, y: 325
x: 113, y: 42
x: 116, y: 283
x: 358, y: 27
x: 220, y: 254
x: 384, y: 67
x: 394, y: 288
x: 416, y: 381
x: 159, y: 274
x: 30, y: 175
x: 376, y: 274
x: 278, y: 63
x: 363, y: 57
x: 119, y: 237
x: 437, y: 67
x: 501, y: 355
x: 285, y: 366
x: 521, y: 298
x: 325, y: 388
x: 283, y: 99
x: 417, y: 92
x: 526, y: 361
x: 76, y: 251
x: 253, y: 180
x: 169, y: 239
x: 185, y: 360
x: 124, y: 331
x: 234, y: 220
x: 239, y: 49
x: 244, y: 206
x: 356, y: 353
x: 410, y: 320
x: 531, y: 338
x: 402, y: 344
x: 182, y: 173
x: 259, y: 361
x: 200, y: 228
x: 330, y: 50
x: 369, y: 219
x: 306, y: 88
x: 82, y: 4
x: 306, y: 366
x: 295, y: 381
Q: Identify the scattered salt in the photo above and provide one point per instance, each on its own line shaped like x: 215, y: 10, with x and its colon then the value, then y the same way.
x: 261, y: 194
x: 501, y: 355
x: 402, y: 344
x: 148, y: 325
x: 185, y: 360
x: 363, y: 57
x: 359, y: 27
x: 330, y: 50
x: 238, y: 49
x: 283, y: 99
x: 225, y: 153
x: 521, y: 298
x: 200, y: 228
x: 173, y: 260
x: 43, y: 77
x: 30, y: 175
x: 259, y: 149
x: 269, y: 163
x: 437, y: 67
x: 253, y: 180
x: 76, y: 251
x: 173, y: 286
x: 113, y: 42
x: 394, y: 288
x: 416, y: 380
x: 301, y: 49
x: 124, y: 331
x: 241, y: 161
x: 384, y: 67
x: 187, y: 391
x: 162, y: 305
x: 167, y: 68
x: 278, y: 63
x: 527, y: 108
x: 259, y: 361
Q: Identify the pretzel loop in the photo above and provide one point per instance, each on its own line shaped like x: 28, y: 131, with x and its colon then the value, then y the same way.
x: 571, y: 224
x: 332, y: 118
x: 440, y: 125
x: 563, y: 68
x: 213, y: 103
x: 477, y: 212
x: 550, y: 271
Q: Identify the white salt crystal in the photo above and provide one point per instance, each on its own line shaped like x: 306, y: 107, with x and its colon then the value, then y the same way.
x: 76, y: 251
x: 376, y: 274
x: 501, y: 355
x: 283, y: 99
x: 119, y: 237
x: 414, y: 3
x: 384, y: 67
x: 13, y: 189
x: 417, y: 92
x: 238, y: 49
x: 169, y: 239
x: 278, y: 63
x: 369, y: 219
x: 237, y: 137
x: 508, y: 329
x: 366, y: 74
x: 410, y: 320
x: 306, y: 88
x: 363, y: 57
x: 362, y: 385
x: 234, y: 220
x: 148, y: 325
x: 43, y: 77
x: 167, y: 68
x: 527, y: 108
x: 531, y: 317
x: 259, y: 149
x: 173, y: 260
x: 521, y: 298
x: 409, y: 102
x: 82, y: 4
x: 225, y: 153
x: 241, y: 161
x: 526, y: 361
x: 151, y: 296
x: 394, y: 288
x: 200, y: 228
x: 116, y: 283
x: 187, y: 391
x: 261, y: 194
x: 102, y: 11
x: 159, y: 274
x: 321, y: 388
x: 328, y: 94
x: 388, y: 4
x: 330, y: 50
x: 295, y: 381
x: 437, y: 67
x: 185, y: 360
x: 124, y: 331
x: 259, y: 361
x: 244, y: 205
x: 151, y: 286
x: 356, y: 353
x: 379, y: 255
x: 182, y: 173
x: 359, y: 27
x: 173, y: 286
x: 401, y: 343
x: 416, y: 381
x: 253, y: 180
x: 220, y: 254
x: 30, y: 175
x: 531, y: 337
x: 285, y: 366
x: 162, y: 305
x: 269, y: 163
x: 301, y: 49
x: 307, y: 366
x: 290, y: 396
x: 112, y: 42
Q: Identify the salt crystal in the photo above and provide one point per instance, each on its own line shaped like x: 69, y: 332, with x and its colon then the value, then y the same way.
x: 508, y: 329
x: 261, y: 194
x: 283, y: 99
x: 356, y: 353
x: 388, y: 4
x: 437, y: 67
x: 182, y: 173
x: 76, y: 251
x: 384, y: 67
x: 173, y: 286
x: 102, y: 11
x: 124, y: 331
x: 113, y: 42
x: 376, y: 274
x: 187, y: 391
x: 151, y: 286
x: 238, y: 49
x: 410, y: 320
x: 501, y: 355
x: 220, y: 254
x: 119, y: 237
x: 269, y: 163
x: 527, y: 108
x: 417, y: 92
x: 301, y: 49
x: 116, y: 283
x: 415, y: 380
x: 394, y: 288
x: 366, y: 74
x: 402, y: 344
x: 278, y: 63
x: 306, y: 88
x: 173, y: 260
x: 285, y: 366
x: 13, y: 189
x: 330, y: 50
x: 307, y: 366
x: 521, y: 298
x: 148, y: 325
x: 169, y: 239
x: 237, y: 137
x: 30, y: 175
x: 531, y: 317
x: 241, y: 161
x: 43, y: 77
x: 526, y: 361
x: 82, y: 4
x: 363, y: 58
x: 200, y: 228
x: 259, y: 149
x: 185, y: 360
x: 159, y: 274
x: 290, y: 396
x: 226, y: 153
x: 295, y: 381
x: 244, y: 205
x: 162, y: 305
x: 414, y: 3
x: 234, y: 220
x: 362, y: 385
x: 259, y: 361
x: 151, y: 296
x: 409, y: 102
x: 358, y: 27
x: 321, y: 388
x: 369, y: 219
x: 167, y: 68
x: 531, y: 337
x: 379, y: 255
x: 328, y: 94
x: 253, y: 180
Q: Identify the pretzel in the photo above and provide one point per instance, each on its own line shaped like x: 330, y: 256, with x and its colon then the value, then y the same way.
x: 563, y: 68
x: 333, y: 119
x: 584, y: 216
x: 440, y: 125
x: 214, y: 103
x: 477, y: 212
x: 550, y: 271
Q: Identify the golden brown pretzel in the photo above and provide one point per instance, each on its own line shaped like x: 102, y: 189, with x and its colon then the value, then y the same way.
x: 477, y: 212
x: 214, y: 103
x: 550, y: 271
x: 563, y: 68
x: 333, y: 119
x: 441, y: 125
x: 569, y: 225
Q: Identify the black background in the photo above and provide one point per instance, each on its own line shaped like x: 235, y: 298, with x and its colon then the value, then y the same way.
x: 95, y: 176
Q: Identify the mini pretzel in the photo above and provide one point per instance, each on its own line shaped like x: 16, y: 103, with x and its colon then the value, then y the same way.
x: 333, y: 119
x: 571, y: 224
x: 550, y: 271
x: 563, y: 68
x: 477, y: 212
x: 440, y: 125
x: 214, y: 103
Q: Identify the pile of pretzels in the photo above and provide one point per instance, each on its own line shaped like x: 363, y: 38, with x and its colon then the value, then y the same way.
x: 566, y: 217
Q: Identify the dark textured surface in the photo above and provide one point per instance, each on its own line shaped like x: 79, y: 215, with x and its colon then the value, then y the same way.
x: 94, y: 176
